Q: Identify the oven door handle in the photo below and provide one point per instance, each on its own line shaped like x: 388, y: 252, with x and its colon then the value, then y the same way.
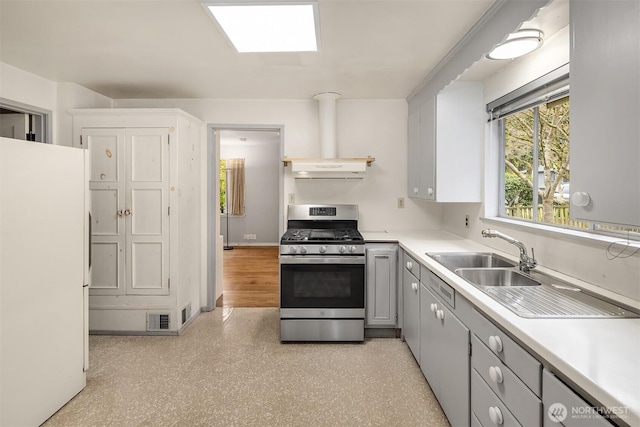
x: 353, y: 260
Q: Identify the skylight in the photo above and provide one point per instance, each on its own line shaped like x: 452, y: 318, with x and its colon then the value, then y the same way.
x: 268, y: 27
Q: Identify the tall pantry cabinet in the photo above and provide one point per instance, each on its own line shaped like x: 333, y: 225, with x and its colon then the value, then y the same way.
x: 145, y: 209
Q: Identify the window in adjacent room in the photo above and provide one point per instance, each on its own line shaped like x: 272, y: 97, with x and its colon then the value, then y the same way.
x: 232, y: 186
x: 20, y: 121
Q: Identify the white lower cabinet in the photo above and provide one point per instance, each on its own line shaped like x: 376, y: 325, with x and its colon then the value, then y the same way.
x: 382, y: 273
x: 411, y: 312
x: 444, y: 355
x: 480, y: 375
x: 506, y: 383
x: 564, y: 407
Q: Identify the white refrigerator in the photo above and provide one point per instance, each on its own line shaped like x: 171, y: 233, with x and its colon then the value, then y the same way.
x: 44, y: 277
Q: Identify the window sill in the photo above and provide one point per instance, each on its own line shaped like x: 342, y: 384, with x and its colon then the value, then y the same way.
x: 583, y: 237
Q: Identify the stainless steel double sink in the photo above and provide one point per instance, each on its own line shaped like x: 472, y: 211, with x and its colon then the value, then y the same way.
x: 533, y: 294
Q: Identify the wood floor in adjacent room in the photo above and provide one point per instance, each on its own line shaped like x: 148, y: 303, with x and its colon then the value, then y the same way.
x: 251, y: 277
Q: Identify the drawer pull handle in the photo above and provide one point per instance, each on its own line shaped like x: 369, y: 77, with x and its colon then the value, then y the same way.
x: 440, y: 314
x: 495, y: 373
x: 495, y: 343
x: 409, y: 265
x: 414, y: 286
x: 496, y: 415
x: 434, y: 308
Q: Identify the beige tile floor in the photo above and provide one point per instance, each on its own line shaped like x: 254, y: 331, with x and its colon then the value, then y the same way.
x: 230, y: 369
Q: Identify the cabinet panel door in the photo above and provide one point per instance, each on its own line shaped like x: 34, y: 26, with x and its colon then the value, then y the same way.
x: 147, y: 216
x: 605, y: 106
x: 454, y: 376
x: 428, y: 146
x: 414, y: 161
x: 411, y: 314
x: 382, y: 270
x: 430, y: 347
x: 107, y: 189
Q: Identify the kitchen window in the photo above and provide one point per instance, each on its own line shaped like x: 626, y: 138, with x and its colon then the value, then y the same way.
x: 535, y: 175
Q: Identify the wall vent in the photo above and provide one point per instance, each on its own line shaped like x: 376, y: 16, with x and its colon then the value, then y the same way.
x: 158, y: 322
x: 186, y: 313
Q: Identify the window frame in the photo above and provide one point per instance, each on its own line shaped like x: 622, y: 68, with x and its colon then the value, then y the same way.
x: 549, y: 87
x: 43, y: 114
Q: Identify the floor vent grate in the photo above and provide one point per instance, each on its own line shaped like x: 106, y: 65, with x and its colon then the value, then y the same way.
x: 186, y: 313
x: 158, y: 322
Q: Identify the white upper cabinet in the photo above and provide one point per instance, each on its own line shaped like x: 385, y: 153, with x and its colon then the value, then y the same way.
x: 605, y: 109
x: 446, y: 136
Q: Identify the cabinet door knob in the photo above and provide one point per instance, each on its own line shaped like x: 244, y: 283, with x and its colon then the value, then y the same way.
x: 409, y: 265
x: 580, y: 198
x: 414, y: 286
x: 434, y: 307
x: 495, y: 373
x: 440, y: 314
x: 120, y: 212
x: 430, y: 191
x: 495, y: 343
x: 496, y: 415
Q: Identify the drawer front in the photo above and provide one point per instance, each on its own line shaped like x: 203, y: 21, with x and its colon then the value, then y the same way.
x: 485, y: 405
x: 525, y: 366
x: 564, y: 407
x: 521, y: 401
x: 411, y: 265
x: 445, y: 292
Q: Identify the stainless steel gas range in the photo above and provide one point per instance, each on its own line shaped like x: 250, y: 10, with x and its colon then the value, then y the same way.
x: 322, y: 274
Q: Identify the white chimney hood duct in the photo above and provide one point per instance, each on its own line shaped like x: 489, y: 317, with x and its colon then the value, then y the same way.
x: 329, y: 166
x: 327, y: 110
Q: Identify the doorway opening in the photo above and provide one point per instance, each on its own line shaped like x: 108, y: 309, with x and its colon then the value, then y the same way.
x: 244, y: 212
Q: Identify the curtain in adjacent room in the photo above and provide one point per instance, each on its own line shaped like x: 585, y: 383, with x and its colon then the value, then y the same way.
x: 236, y: 167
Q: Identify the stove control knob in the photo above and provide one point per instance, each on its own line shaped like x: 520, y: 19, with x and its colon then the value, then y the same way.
x: 303, y: 250
x: 292, y: 249
x: 323, y: 249
x: 352, y: 249
x: 343, y: 249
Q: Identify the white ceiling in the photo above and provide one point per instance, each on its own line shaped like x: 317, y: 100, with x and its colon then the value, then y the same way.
x: 173, y: 49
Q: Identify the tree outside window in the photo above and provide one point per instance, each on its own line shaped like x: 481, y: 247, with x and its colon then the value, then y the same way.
x: 536, y: 164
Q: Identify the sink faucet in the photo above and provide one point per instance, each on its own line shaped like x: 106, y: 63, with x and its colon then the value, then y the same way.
x: 526, y: 262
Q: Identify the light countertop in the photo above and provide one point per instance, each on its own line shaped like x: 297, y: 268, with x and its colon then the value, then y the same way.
x: 600, y: 357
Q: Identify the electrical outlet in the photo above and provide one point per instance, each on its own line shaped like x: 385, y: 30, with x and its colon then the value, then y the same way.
x: 466, y: 222
x: 400, y: 202
x: 292, y: 198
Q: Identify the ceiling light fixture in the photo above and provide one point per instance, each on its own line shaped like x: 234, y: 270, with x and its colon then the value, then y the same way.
x: 268, y: 26
x: 517, y: 44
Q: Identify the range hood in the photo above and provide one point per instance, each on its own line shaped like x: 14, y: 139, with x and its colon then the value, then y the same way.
x: 329, y: 166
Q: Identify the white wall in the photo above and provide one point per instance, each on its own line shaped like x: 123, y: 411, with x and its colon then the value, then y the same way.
x: 262, y: 165
x: 364, y: 127
x: 71, y: 95
x: 581, y: 258
x: 20, y: 86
